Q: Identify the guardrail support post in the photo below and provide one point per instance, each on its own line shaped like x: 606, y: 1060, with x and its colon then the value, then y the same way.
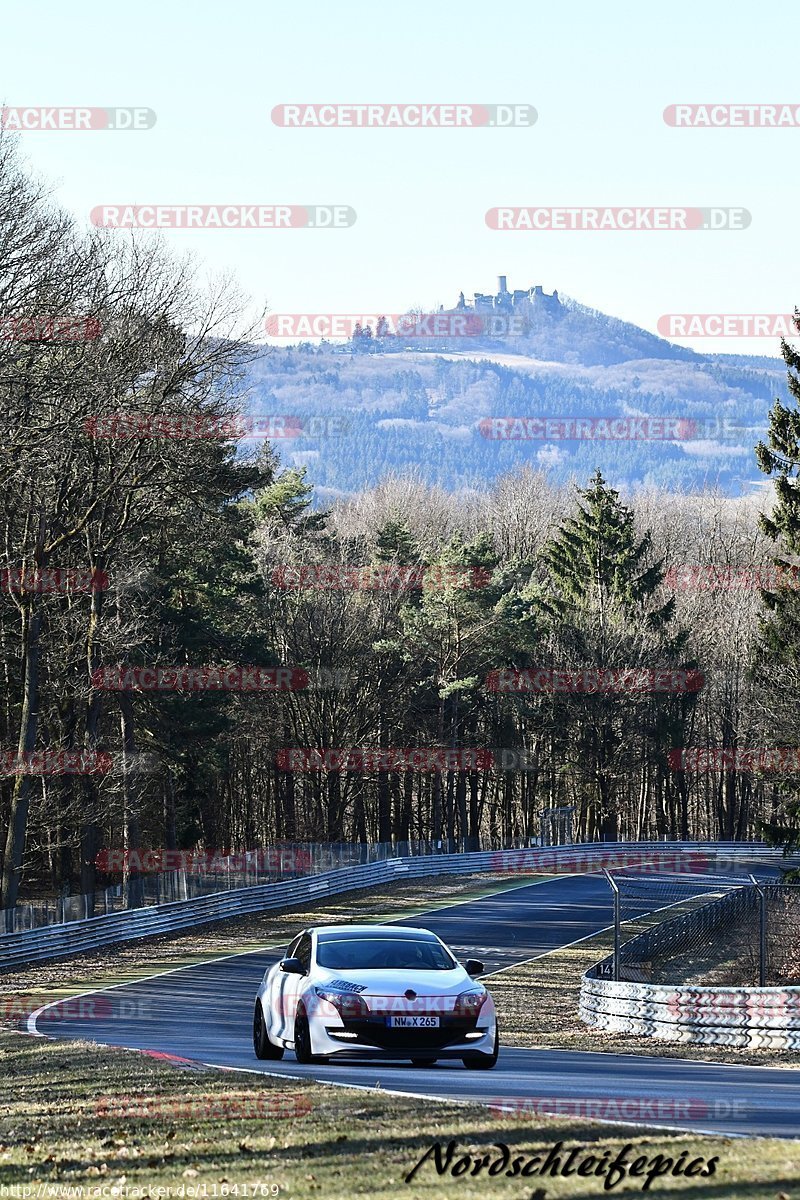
x: 617, y: 938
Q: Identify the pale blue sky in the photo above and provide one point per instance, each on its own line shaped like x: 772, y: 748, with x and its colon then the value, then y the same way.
x: 599, y: 76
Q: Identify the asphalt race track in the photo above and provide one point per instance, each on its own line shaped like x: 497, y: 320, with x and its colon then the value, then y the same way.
x: 204, y: 1013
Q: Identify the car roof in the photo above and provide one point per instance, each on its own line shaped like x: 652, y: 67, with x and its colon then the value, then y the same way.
x: 328, y: 932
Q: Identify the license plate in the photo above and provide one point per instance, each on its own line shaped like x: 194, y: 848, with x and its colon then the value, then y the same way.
x: 413, y: 1022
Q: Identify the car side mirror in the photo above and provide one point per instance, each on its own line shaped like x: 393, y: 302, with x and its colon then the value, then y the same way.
x: 292, y: 966
x: 473, y: 967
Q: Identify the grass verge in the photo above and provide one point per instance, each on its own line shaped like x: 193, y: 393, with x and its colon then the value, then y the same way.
x: 73, y: 1115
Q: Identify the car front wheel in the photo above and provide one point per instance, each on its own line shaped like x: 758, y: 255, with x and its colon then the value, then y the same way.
x: 261, y: 1043
x: 302, y: 1040
x: 483, y: 1062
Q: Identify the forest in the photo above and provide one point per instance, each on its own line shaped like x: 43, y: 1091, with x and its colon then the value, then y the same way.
x: 428, y: 411
x: 199, y: 651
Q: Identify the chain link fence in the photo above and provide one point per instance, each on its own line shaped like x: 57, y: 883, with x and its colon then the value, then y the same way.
x: 726, y: 931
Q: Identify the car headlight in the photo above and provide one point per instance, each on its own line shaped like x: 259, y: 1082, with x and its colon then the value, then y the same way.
x: 349, y: 1005
x: 470, y: 1003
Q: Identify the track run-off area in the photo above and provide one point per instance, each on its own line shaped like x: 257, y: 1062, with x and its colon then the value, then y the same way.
x: 204, y: 1012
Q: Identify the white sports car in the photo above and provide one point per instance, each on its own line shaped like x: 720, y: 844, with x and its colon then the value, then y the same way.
x: 374, y: 991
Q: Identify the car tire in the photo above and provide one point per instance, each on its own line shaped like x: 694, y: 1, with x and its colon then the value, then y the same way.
x: 302, y: 1040
x: 423, y: 1062
x: 261, y: 1043
x: 483, y: 1062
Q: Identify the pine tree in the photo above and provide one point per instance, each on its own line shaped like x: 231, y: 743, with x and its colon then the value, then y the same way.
x: 287, y: 504
x: 779, y: 458
x: 602, y: 611
x: 396, y: 543
x: 598, y: 565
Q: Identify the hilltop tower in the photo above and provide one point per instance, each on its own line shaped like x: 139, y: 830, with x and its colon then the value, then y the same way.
x: 505, y: 301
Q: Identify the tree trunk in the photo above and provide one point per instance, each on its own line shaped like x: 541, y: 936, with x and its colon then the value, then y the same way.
x: 21, y: 796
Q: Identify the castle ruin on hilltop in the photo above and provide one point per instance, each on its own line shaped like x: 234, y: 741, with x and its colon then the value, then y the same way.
x: 506, y: 301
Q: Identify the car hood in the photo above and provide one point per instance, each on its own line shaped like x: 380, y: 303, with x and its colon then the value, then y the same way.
x: 396, y: 983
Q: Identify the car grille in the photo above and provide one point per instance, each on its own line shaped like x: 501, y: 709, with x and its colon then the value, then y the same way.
x: 376, y: 1032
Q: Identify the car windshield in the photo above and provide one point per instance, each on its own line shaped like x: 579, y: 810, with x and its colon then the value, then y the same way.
x: 383, y: 954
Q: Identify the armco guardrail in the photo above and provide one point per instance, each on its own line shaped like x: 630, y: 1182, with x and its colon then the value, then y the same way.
x: 161, y: 876
x: 58, y: 941
x: 767, y: 1018
x: 755, y: 1017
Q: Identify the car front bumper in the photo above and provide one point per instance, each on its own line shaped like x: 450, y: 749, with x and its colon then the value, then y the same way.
x: 374, y: 1039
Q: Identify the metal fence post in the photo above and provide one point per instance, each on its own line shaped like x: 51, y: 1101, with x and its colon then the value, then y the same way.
x: 617, y: 938
x: 762, y: 932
